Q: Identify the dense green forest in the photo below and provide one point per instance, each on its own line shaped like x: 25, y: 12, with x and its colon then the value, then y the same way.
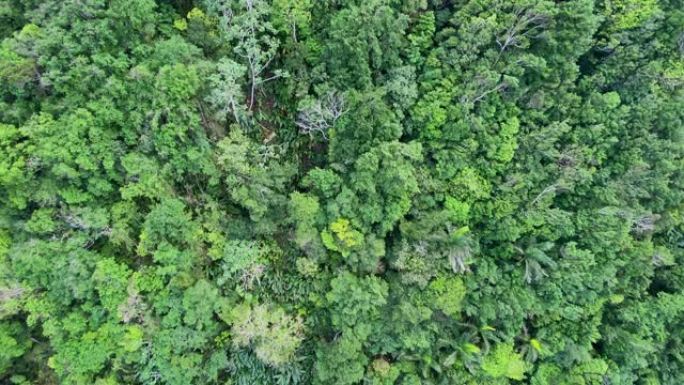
x: 377, y: 192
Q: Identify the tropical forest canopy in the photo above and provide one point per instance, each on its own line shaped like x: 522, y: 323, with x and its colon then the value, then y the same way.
x: 237, y: 192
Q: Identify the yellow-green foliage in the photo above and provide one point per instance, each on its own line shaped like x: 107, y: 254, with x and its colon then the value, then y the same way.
x: 503, y: 361
x: 344, y: 232
x: 509, y: 144
x: 631, y: 13
x: 458, y: 211
x: 132, y: 339
x: 341, y: 236
x: 447, y: 293
x: 469, y: 185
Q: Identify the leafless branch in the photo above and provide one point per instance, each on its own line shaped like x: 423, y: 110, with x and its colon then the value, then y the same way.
x: 10, y: 293
x: 645, y: 224
x: 526, y: 23
x: 497, y: 88
x: 551, y: 189
x: 322, y: 114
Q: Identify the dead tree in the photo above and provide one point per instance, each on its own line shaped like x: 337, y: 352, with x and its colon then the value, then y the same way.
x: 318, y: 116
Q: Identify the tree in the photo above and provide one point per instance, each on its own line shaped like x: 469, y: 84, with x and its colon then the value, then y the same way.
x: 245, y: 24
x: 227, y: 96
x: 14, y: 344
x: 255, y: 177
x: 306, y: 214
x: 504, y: 362
x: 318, y: 116
x: 274, y: 335
x: 341, y: 362
x: 363, y: 39
x: 446, y: 294
x: 355, y: 303
x: 292, y: 17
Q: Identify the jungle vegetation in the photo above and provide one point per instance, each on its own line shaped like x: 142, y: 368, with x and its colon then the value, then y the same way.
x: 340, y: 192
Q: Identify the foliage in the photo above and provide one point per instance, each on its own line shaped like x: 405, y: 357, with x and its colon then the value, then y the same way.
x: 446, y: 294
x: 341, y: 192
x: 504, y: 362
x: 274, y: 335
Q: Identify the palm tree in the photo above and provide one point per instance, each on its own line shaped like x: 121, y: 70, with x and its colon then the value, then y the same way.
x: 534, y: 256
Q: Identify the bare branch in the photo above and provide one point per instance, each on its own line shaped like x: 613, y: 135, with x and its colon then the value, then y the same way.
x: 526, y: 22
x: 548, y: 190
x: 497, y: 88
x: 10, y: 293
x: 645, y: 224
x: 320, y: 115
